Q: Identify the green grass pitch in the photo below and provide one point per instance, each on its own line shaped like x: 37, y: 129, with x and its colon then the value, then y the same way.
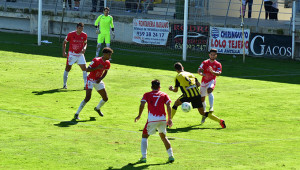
x: 259, y: 101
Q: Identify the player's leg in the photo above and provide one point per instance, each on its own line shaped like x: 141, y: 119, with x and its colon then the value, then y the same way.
x: 84, y: 73
x: 70, y: 61
x: 175, y: 106
x: 162, y: 133
x: 210, y: 99
x: 211, y: 116
x: 101, y: 90
x: 203, y: 92
x: 210, y: 89
x: 100, y: 40
x: 144, y: 147
x: 82, y: 64
x: 144, y: 143
x: 107, y: 40
x: 168, y: 146
x: 88, y: 95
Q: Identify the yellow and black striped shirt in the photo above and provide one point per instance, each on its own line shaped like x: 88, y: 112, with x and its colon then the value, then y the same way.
x: 187, y: 83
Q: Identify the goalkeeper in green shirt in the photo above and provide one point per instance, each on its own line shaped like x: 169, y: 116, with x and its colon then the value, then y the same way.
x: 106, y: 22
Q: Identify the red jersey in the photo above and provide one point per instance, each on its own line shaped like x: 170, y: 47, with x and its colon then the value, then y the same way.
x: 156, y: 109
x: 76, y: 42
x: 216, y: 66
x: 96, y: 74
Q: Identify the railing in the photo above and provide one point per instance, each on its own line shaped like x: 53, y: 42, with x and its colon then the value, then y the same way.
x: 199, y: 10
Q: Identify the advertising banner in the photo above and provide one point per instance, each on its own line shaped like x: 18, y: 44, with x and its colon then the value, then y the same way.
x: 268, y: 45
x: 149, y: 31
x: 229, y: 40
x: 197, y: 37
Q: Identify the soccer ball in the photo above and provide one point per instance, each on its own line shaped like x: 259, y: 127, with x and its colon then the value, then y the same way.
x: 186, y: 107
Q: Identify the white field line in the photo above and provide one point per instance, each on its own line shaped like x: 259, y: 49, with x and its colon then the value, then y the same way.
x: 194, y: 140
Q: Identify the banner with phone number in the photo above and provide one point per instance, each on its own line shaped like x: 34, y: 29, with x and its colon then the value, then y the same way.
x: 148, y: 31
x: 197, y: 37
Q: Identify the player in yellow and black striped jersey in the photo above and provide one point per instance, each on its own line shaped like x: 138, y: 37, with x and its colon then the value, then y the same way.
x: 188, y: 85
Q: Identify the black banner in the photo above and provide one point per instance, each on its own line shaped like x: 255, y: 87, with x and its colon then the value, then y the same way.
x: 197, y: 37
x: 268, y: 45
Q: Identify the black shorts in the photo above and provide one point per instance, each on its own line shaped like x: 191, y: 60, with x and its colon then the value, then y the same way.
x: 196, y: 101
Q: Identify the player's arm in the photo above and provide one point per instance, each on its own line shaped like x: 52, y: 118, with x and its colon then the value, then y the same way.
x: 142, y: 106
x: 102, y: 77
x: 112, y: 27
x: 169, y: 109
x: 175, y: 89
x: 197, y: 82
x: 216, y: 73
x: 201, y: 70
x: 64, y: 48
x: 91, y: 68
x: 84, y: 47
x: 97, y: 25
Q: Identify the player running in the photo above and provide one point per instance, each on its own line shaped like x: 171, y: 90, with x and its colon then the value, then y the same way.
x: 209, y: 70
x: 106, y: 22
x: 189, y: 84
x: 77, y: 46
x: 98, y: 69
x: 156, y: 119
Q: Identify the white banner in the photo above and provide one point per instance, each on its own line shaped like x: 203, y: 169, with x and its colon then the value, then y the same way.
x: 148, y: 31
x: 229, y: 40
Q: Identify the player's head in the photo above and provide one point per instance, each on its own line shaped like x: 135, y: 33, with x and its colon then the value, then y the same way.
x: 178, y: 67
x: 80, y: 26
x: 106, y: 11
x: 107, y: 52
x: 213, y: 53
x: 155, y: 84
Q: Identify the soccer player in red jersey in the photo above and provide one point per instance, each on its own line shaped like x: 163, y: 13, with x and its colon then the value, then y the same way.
x: 209, y: 70
x: 77, y: 45
x: 98, y: 69
x: 156, y: 118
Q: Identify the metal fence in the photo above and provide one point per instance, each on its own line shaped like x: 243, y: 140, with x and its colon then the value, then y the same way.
x: 199, y: 10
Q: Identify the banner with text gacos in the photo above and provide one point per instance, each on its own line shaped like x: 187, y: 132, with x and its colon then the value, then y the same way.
x: 229, y: 40
x: 268, y: 45
x: 149, y: 31
x: 197, y: 37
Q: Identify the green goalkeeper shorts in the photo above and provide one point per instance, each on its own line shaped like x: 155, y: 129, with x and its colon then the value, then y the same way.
x: 102, y: 37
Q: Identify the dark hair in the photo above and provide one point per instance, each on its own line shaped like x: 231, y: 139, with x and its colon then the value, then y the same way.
x: 106, y: 8
x: 155, y: 84
x: 107, y: 50
x: 213, y: 50
x: 80, y: 24
x: 178, y: 66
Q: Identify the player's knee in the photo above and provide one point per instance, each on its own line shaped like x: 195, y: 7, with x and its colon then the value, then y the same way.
x: 105, y: 99
x: 177, y: 103
x: 87, y: 99
x: 210, y: 90
x: 162, y: 136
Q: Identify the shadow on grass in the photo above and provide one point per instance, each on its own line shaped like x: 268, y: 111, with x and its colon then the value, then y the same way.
x: 52, y: 91
x: 73, y: 122
x: 189, y: 128
x: 186, y: 129
x: 163, y: 58
x: 132, y: 166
